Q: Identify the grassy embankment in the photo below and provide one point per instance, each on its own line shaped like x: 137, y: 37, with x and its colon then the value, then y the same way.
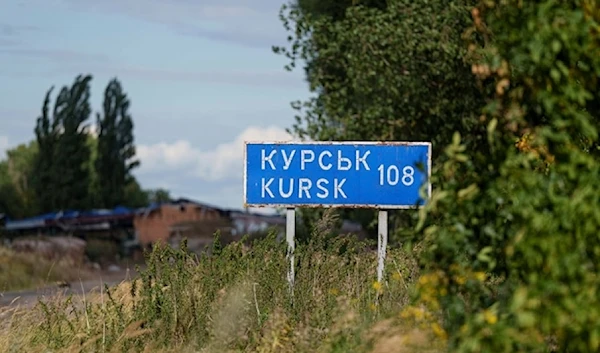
x: 238, y: 300
x: 27, y: 271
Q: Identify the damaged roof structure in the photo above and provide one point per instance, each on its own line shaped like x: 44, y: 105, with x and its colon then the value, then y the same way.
x: 152, y: 223
x: 90, y: 219
x: 72, y: 219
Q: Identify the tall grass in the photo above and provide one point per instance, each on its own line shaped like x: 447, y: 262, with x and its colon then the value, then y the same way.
x: 27, y: 271
x: 236, y: 300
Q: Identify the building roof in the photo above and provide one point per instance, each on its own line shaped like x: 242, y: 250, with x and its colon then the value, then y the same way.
x: 177, y: 202
x: 94, y: 217
x: 69, y: 217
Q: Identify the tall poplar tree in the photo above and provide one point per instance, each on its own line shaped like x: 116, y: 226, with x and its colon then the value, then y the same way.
x: 46, y: 133
x: 62, y: 174
x: 72, y: 152
x: 116, y: 150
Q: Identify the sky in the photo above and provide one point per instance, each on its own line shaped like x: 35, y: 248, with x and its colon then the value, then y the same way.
x: 200, y: 75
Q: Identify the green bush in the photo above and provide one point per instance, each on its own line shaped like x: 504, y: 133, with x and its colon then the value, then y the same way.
x: 528, y: 217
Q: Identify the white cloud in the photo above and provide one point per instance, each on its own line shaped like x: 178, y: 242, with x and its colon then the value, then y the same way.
x: 164, y: 156
x: 4, y: 146
x: 223, y: 162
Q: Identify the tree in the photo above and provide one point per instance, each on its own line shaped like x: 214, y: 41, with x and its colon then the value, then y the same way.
x: 66, y: 166
x: 401, y: 75
x: 159, y: 195
x: 10, y: 203
x: 20, y: 168
x: 72, y: 153
x: 528, y: 219
x: 62, y: 167
x: 116, y: 150
x: 393, y: 72
x: 17, y: 197
x: 93, y: 189
x: 46, y: 132
x: 135, y: 195
x: 331, y: 9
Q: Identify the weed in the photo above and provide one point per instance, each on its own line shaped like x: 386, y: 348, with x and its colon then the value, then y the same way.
x: 235, y: 299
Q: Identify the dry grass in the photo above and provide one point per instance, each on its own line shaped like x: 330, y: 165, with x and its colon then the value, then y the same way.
x: 237, y: 300
x: 26, y: 271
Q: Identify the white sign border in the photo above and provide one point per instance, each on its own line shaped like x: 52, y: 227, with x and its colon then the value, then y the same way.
x: 336, y: 143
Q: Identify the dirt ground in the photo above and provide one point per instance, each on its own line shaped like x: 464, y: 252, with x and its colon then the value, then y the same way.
x: 91, y: 284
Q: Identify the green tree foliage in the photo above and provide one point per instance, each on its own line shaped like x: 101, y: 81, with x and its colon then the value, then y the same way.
x: 62, y: 168
x: 10, y: 202
x: 93, y: 188
x: 510, y: 235
x: 17, y: 193
x: 7, y: 190
x: 529, y: 218
x: 135, y: 195
x: 334, y: 10
x: 402, y: 73
x: 67, y: 167
x: 17, y: 198
x: 159, y: 195
x: 116, y: 150
x: 72, y: 154
x: 391, y: 71
x: 46, y: 132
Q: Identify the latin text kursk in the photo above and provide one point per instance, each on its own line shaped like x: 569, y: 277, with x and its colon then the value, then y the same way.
x: 322, y: 188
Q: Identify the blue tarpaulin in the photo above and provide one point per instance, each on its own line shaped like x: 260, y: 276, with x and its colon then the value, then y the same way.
x: 90, y: 216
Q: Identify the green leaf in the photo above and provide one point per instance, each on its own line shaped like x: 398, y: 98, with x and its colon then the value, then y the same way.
x: 555, y: 74
x: 456, y: 138
x: 484, y: 254
x: 526, y: 319
x: 556, y: 46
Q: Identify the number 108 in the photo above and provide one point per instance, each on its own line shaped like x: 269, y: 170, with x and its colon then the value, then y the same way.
x: 391, y: 175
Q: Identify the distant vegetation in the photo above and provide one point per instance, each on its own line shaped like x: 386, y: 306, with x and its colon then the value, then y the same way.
x: 68, y: 167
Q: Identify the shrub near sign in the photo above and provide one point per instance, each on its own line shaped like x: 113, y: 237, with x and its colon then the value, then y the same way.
x: 339, y: 174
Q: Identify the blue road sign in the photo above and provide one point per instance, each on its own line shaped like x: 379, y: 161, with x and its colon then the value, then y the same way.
x: 385, y: 175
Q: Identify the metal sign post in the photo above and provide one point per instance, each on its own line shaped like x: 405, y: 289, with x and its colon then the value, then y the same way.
x: 382, y: 238
x: 379, y: 175
x: 290, y: 233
